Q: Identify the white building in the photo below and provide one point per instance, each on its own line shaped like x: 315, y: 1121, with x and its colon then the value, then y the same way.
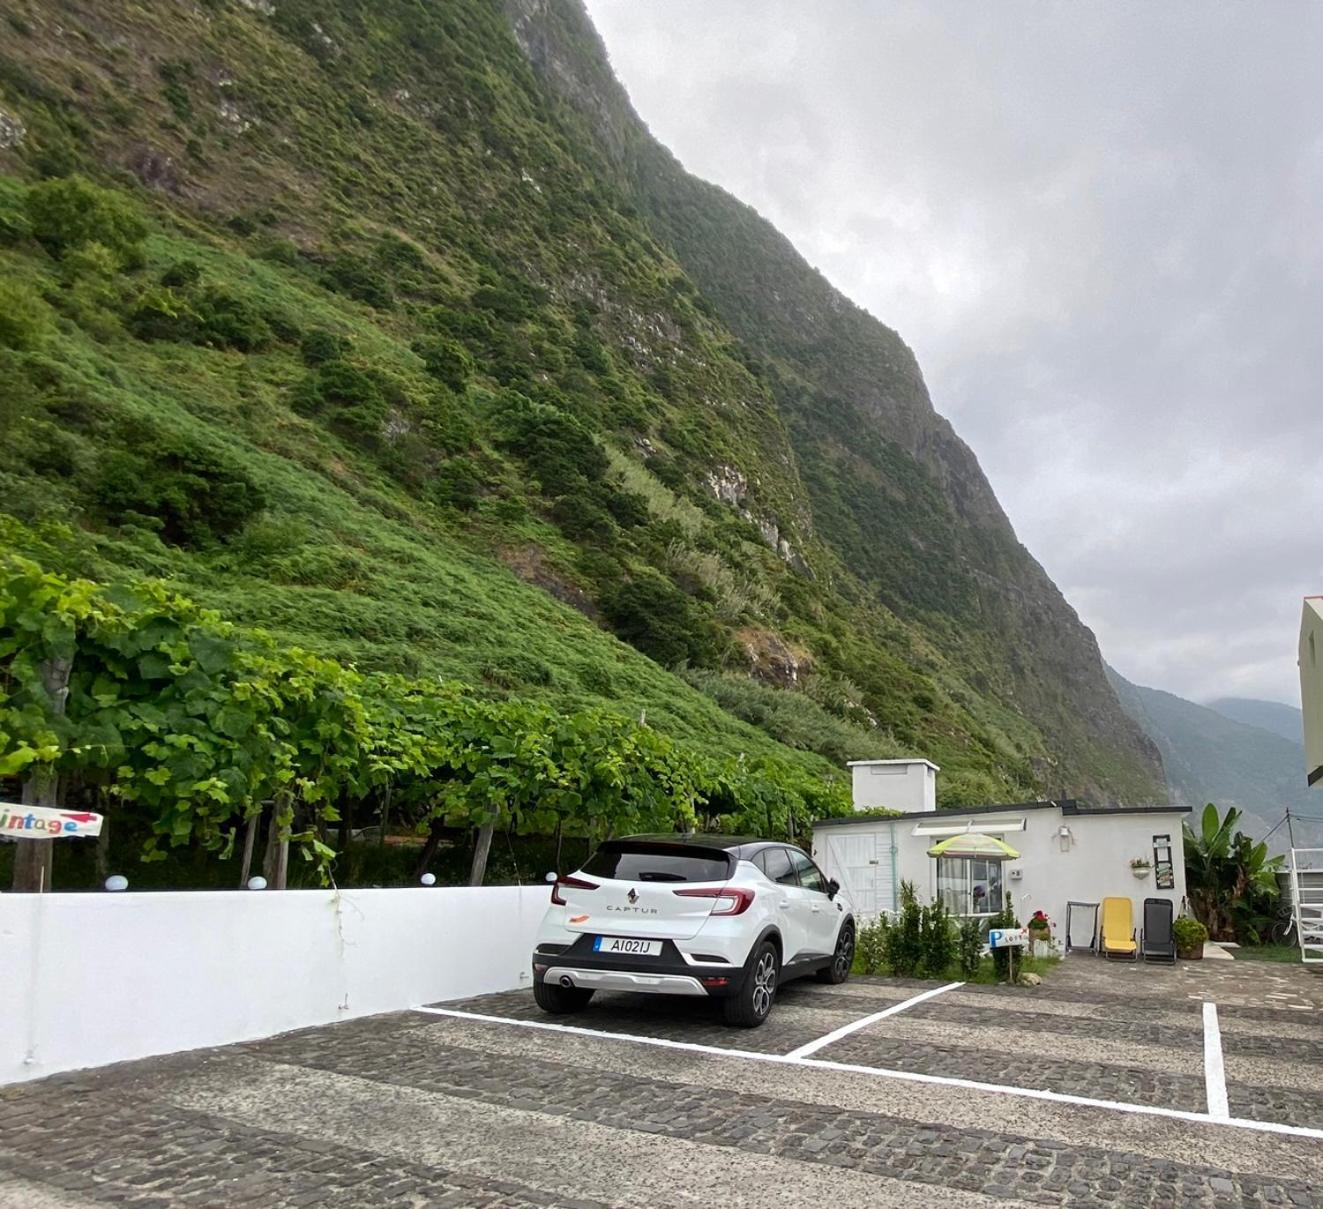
x: 1311, y: 686
x: 1068, y: 851
x: 1306, y: 867
x: 908, y: 785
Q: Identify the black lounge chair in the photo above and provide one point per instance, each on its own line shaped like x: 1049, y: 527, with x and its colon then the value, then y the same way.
x: 1156, y: 940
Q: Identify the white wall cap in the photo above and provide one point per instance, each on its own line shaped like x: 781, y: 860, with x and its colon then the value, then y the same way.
x: 868, y: 763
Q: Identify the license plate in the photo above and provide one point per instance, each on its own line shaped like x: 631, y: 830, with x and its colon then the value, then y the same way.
x: 625, y: 944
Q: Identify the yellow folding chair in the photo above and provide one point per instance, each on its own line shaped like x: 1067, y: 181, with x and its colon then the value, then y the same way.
x: 1118, y: 929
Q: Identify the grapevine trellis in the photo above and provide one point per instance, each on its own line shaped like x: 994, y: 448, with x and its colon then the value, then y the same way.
x: 201, y: 727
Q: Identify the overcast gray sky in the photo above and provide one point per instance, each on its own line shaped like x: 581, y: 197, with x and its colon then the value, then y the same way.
x: 1100, y: 227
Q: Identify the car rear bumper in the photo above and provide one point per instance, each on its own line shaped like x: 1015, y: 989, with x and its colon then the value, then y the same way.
x: 665, y: 973
x: 649, y: 982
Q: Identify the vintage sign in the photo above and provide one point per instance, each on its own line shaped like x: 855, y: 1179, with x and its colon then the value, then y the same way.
x: 1162, y: 866
x: 1007, y: 938
x: 42, y: 823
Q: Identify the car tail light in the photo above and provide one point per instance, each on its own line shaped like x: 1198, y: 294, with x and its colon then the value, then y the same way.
x: 575, y: 883
x: 731, y: 900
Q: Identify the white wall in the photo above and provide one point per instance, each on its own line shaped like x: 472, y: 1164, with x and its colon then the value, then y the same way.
x: 88, y: 979
x: 1095, y: 865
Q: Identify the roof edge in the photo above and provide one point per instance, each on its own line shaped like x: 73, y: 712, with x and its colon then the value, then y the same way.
x: 912, y: 760
x: 1069, y: 807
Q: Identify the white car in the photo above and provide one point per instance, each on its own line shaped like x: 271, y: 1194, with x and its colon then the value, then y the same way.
x: 717, y: 916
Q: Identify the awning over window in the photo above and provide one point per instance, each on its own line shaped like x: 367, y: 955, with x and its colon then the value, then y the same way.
x: 976, y: 846
x: 986, y: 826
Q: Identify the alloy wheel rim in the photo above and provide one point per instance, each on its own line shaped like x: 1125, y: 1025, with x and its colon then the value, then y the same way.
x: 844, y: 953
x: 764, y: 984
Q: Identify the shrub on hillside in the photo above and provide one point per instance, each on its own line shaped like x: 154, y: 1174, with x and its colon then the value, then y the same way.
x: 474, y: 327
x: 24, y: 316
x: 357, y: 278
x: 553, y: 444
x: 15, y: 225
x: 509, y: 306
x: 653, y: 615
x: 160, y: 313
x: 212, y: 317
x: 628, y: 508
x: 47, y: 450
x: 582, y: 519
x: 182, y: 274
x: 320, y: 346
x: 448, y: 361
x: 354, y: 399
x: 970, y: 789
x: 458, y: 485
x: 793, y: 718
x: 70, y: 212
x: 190, y: 494
x: 399, y: 255
x: 225, y: 320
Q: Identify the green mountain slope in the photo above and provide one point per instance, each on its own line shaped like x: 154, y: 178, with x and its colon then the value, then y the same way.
x: 1209, y: 757
x: 362, y: 334
x: 894, y: 493
x: 1283, y: 720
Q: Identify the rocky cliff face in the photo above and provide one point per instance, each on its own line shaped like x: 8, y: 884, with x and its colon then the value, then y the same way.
x: 836, y: 370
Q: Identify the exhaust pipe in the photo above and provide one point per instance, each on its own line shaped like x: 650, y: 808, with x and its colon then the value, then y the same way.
x: 566, y: 980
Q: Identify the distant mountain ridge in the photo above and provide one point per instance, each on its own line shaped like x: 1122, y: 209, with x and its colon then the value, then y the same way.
x: 1284, y: 720
x: 1210, y: 755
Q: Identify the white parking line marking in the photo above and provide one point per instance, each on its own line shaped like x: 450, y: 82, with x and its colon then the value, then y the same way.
x: 905, y: 1076
x: 846, y: 1029
x: 1215, y: 1079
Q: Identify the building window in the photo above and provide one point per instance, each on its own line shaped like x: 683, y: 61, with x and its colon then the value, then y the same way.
x: 969, y: 886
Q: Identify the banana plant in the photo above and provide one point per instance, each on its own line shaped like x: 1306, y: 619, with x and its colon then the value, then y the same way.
x: 1230, y: 879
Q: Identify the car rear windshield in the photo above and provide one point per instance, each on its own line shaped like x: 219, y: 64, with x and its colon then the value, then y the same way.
x: 661, y: 863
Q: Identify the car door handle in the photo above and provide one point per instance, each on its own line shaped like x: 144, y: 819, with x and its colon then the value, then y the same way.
x: 816, y: 908
x: 784, y: 903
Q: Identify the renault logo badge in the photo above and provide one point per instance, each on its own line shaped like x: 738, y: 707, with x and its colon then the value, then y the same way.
x: 633, y: 897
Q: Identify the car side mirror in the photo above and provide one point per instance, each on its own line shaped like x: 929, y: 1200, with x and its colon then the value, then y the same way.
x: 833, y: 888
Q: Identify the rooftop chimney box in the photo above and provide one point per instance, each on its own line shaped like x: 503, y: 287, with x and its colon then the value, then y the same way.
x: 909, y: 786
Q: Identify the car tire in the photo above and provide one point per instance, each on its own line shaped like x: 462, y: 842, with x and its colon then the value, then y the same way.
x: 752, y: 1003
x: 842, y: 959
x: 560, y: 1000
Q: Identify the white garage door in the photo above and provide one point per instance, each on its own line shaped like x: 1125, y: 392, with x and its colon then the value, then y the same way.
x: 861, y: 859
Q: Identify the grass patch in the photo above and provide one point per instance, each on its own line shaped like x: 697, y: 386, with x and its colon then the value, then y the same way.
x: 1284, y: 954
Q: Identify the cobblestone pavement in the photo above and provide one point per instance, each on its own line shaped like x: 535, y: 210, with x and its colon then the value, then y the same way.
x: 416, y: 1109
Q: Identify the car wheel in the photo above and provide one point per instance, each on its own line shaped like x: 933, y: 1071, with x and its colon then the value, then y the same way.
x: 750, y: 1005
x: 559, y: 1000
x: 842, y: 960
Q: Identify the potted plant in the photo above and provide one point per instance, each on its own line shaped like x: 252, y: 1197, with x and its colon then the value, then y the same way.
x: 1189, y: 935
x: 1040, y: 933
x: 1141, y: 866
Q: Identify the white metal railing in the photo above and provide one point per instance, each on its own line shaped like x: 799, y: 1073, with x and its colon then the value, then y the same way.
x: 1307, y: 901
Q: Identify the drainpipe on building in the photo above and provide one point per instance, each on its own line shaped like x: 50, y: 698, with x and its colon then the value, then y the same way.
x: 895, y: 889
